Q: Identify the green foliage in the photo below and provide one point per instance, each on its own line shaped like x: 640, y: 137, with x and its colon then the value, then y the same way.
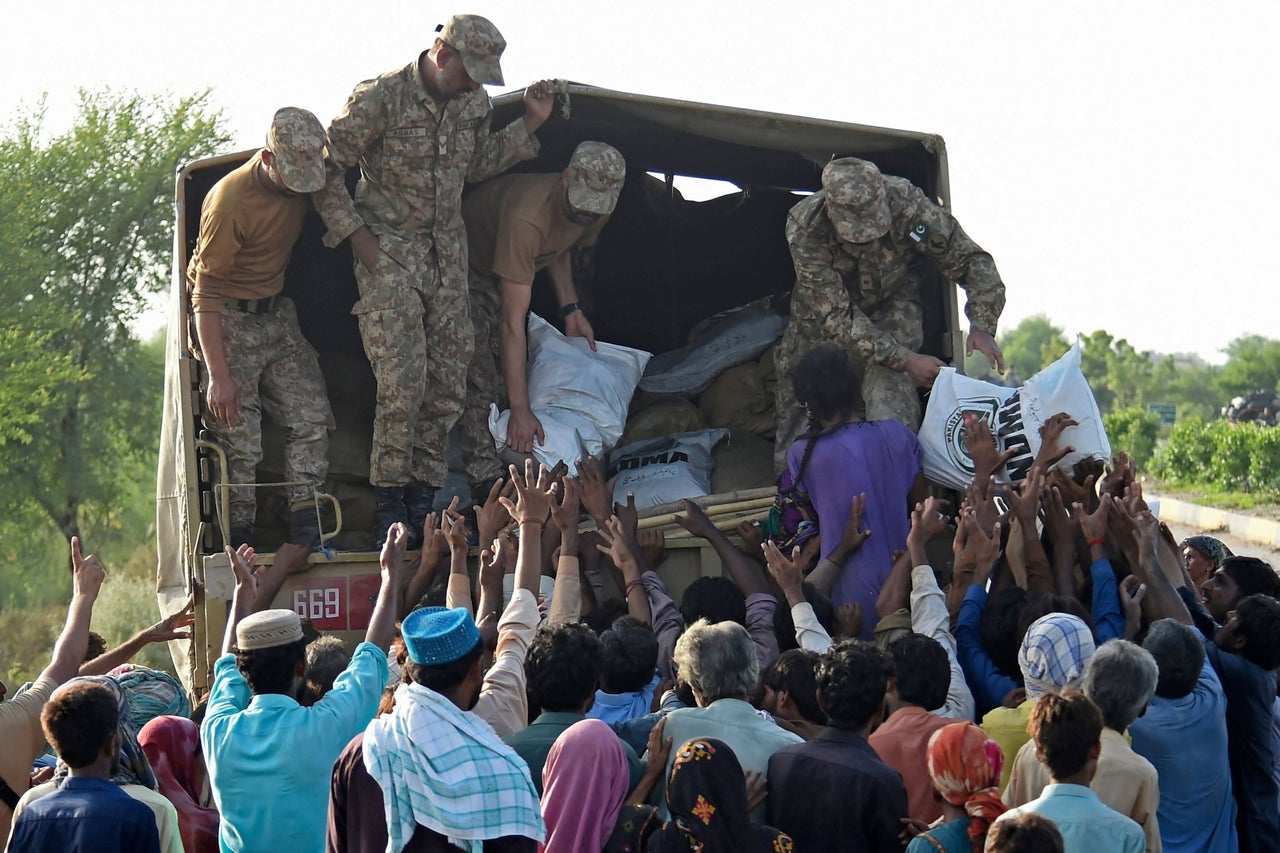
x: 28, y: 636
x: 1244, y: 457
x: 1032, y: 344
x: 85, y: 237
x: 1253, y: 364
x: 1134, y: 431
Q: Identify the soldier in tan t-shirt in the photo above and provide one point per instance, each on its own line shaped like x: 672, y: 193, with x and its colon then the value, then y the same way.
x: 517, y: 225
x: 256, y: 359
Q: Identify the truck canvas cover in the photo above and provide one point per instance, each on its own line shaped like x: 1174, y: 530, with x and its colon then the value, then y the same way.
x: 663, y: 264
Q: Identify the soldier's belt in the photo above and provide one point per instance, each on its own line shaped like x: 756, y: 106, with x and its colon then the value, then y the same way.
x: 251, y: 306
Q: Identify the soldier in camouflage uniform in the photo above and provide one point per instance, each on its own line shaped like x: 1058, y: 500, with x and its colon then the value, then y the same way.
x: 856, y: 245
x: 418, y: 134
x: 255, y: 357
x: 517, y: 225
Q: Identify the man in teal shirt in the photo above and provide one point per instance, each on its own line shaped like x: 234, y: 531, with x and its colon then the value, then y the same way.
x: 270, y: 758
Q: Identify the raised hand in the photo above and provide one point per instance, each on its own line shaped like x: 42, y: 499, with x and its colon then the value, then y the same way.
x: 980, y: 444
x: 454, y: 527
x: 1024, y: 499
x: 392, y: 557
x: 87, y: 573
x: 169, y: 627
x: 653, y: 546
x: 787, y: 571
x: 597, y: 498
x: 853, y: 536
x: 1092, y: 524
x: 615, y: 544
x: 981, y: 498
x: 1051, y: 451
x: 566, y: 512
x: 927, y: 521
x: 695, y: 520
x: 749, y: 532
x: 533, y: 496
x: 1132, y: 591
x: 628, y: 515
x: 849, y: 620
x: 244, y: 564
x: 434, y: 541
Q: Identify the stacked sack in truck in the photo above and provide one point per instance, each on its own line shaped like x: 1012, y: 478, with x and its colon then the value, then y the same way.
x: 675, y: 449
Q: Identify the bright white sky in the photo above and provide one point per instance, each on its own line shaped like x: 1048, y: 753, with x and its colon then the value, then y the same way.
x: 1097, y: 150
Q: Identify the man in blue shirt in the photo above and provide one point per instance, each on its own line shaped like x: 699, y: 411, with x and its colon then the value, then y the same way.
x: 270, y: 758
x: 1184, y: 734
x: 1067, y: 730
x: 88, y: 812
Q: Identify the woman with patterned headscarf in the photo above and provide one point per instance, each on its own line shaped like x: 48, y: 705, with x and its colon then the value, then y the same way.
x: 707, y: 798
x: 1202, y: 556
x: 172, y: 745
x: 133, y: 774
x: 965, y: 767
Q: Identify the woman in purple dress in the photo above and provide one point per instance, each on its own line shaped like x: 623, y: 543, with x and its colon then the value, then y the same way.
x: 842, y: 457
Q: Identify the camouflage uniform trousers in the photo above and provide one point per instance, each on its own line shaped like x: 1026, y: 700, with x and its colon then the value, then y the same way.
x: 887, y: 394
x: 416, y: 328
x: 277, y: 373
x: 485, y: 382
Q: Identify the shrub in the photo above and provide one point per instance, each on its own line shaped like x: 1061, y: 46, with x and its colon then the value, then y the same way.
x: 1243, y: 457
x: 1134, y: 431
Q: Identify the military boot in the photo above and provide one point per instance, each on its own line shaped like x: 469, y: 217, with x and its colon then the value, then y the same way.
x: 418, y: 500
x: 388, y: 508
x: 304, y: 527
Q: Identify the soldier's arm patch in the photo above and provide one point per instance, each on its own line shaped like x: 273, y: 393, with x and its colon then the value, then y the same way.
x: 919, y: 232
x: 937, y: 245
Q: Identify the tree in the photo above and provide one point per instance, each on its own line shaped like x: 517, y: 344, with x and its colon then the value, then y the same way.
x: 1032, y: 344
x: 1122, y: 377
x: 85, y: 237
x: 1253, y: 364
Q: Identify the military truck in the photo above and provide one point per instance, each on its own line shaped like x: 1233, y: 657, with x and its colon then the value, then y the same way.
x: 663, y: 264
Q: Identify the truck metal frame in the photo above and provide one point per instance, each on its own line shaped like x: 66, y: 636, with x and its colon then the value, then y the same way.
x: 667, y: 263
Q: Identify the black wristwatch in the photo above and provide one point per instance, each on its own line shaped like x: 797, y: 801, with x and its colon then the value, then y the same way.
x: 569, y: 309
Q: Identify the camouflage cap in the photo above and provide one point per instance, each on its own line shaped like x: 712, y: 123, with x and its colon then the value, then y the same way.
x: 478, y: 44
x: 857, y: 203
x: 596, y: 175
x: 296, y: 140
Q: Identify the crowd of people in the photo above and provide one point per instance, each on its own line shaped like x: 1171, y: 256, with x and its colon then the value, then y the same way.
x: 1067, y: 678
x: 1064, y: 686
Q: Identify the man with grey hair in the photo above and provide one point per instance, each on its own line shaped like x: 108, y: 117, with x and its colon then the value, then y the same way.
x: 1120, y: 678
x: 1184, y: 736
x: 719, y: 664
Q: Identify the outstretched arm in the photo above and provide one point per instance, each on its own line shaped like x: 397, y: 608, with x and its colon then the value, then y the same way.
x: 168, y: 628
x: 73, y: 642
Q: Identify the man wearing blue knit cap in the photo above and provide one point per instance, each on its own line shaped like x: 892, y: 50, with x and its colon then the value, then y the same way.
x: 430, y: 771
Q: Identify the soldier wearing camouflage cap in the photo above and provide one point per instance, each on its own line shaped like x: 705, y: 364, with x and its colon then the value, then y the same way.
x: 857, y: 246
x: 254, y: 354
x: 418, y: 134
x: 517, y: 225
